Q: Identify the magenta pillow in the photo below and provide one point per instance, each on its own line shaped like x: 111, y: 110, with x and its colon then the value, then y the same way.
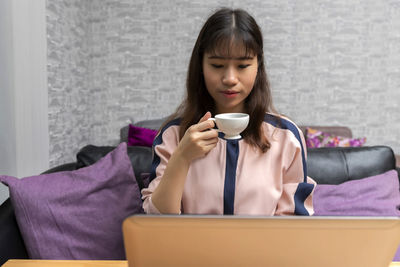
x: 139, y: 136
x: 315, y: 139
x: 377, y: 195
x: 77, y: 214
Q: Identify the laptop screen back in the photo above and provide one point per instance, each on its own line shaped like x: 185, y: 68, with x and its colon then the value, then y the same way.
x: 260, y: 241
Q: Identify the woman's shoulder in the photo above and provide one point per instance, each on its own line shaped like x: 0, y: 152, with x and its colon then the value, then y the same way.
x: 169, y: 123
x: 280, y: 123
x: 168, y: 131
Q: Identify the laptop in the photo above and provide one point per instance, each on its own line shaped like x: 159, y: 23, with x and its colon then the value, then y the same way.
x: 206, y: 241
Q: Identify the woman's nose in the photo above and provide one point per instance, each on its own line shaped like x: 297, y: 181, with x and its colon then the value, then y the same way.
x: 230, y: 77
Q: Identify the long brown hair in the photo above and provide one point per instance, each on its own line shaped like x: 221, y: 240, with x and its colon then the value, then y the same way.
x: 221, y: 28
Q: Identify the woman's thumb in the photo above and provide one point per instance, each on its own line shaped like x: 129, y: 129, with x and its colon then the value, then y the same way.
x: 205, y: 116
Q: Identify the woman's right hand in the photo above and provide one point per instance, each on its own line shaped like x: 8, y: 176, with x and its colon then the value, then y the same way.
x: 199, y: 139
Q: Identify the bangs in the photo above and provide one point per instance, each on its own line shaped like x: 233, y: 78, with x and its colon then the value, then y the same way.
x: 232, y: 44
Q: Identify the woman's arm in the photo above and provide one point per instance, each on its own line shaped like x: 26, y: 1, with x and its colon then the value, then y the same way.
x: 297, y: 187
x: 198, y: 140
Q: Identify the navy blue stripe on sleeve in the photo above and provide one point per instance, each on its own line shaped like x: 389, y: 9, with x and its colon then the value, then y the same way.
x: 302, y: 192
x: 304, y: 189
x: 232, y: 155
x: 285, y: 124
x: 158, y: 141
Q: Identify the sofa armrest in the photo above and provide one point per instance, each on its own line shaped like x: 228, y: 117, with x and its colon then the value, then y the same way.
x: 11, y: 243
x: 65, y: 167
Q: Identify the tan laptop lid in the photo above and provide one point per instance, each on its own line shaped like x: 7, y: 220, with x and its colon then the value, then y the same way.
x: 260, y: 241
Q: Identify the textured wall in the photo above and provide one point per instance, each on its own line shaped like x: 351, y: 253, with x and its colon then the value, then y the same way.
x: 70, y: 93
x: 329, y: 62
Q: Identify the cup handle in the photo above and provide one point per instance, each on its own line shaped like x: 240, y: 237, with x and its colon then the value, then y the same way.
x: 213, y: 119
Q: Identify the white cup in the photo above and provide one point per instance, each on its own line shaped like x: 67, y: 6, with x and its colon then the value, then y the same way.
x: 231, y: 124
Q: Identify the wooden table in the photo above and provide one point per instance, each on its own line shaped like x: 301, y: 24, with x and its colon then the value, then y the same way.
x: 64, y: 263
x: 61, y: 263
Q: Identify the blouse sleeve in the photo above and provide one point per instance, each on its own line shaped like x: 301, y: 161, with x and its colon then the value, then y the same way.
x: 163, y: 147
x: 297, y: 187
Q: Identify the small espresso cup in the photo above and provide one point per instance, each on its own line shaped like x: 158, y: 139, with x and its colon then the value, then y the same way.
x: 231, y: 124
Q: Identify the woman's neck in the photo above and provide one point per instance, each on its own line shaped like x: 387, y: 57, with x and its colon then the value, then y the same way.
x: 237, y: 109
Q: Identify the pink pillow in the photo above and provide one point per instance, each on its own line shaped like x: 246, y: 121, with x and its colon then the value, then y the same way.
x: 139, y: 136
x: 317, y: 138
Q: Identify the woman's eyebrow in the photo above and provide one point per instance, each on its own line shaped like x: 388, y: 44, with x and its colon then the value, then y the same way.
x: 235, y: 58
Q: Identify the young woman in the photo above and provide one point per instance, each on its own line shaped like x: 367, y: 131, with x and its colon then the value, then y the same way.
x: 195, y: 170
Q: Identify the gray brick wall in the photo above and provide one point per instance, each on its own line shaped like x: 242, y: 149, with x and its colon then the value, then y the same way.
x: 329, y: 63
x: 70, y: 93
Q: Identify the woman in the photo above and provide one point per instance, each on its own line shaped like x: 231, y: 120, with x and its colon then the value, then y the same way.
x: 196, y: 171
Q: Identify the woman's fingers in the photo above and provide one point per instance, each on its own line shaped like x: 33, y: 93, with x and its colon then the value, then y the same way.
x: 210, y: 142
x: 205, y: 116
x: 204, y: 123
x: 209, y: 134
x: 203, y: 126
x: 199, y: 138
x: 208, y: 145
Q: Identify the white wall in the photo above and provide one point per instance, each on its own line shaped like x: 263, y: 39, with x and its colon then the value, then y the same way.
x: 24, y: 137
x: 7, y: 126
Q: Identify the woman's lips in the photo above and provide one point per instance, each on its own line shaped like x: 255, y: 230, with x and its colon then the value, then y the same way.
x: 229, y: 94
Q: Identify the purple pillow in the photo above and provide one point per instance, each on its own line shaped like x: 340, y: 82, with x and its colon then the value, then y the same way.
x: 77, y: 214
x: 138, y: 136
x: 372, y: 196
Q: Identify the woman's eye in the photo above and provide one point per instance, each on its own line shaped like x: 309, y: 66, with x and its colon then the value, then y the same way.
x: 217, y: 66
x: 243, y: 66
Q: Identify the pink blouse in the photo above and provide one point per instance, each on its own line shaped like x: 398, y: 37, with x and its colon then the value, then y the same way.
x: 236, y: 178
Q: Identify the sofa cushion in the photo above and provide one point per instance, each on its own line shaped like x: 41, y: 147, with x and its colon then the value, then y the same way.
x: 154, y: 124
x: 77, y: 214
x: 140, y: 136
x: 335, y: 165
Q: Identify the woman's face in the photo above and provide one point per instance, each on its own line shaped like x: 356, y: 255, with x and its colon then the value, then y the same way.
x: 229, y: 78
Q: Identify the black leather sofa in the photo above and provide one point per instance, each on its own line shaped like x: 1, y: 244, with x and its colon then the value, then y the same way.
x: 325, y: 165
